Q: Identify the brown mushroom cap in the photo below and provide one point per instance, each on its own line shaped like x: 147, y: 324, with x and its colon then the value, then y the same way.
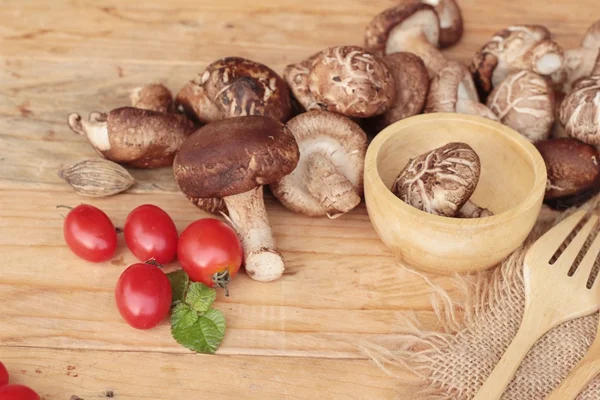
x: 515, y: 48
x: 440, y: 181
x: 591, y: 39
x: 580, y: 111
x: 451, y: 22
x: 524, y: 101
x: 412, y: 84
x: 234, y: 86
x: 453, y: 91
x: 342, y: 145
x: 155, y: 97
x: 296, y: 76
x: 350, y: 81
x: 234, y: 156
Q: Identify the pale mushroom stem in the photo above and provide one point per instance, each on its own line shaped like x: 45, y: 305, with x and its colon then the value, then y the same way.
x: 418, y: 44
x: 473, y: 107
x: 472, y: 210
x: 96, y: 129
x: 249, y: 217
x: 329, y: 187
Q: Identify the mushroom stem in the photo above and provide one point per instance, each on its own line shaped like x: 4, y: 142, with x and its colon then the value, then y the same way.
x: 249, y: 217
x: 578, y: 63
x: 414, y: 41
x: 330, y: 187
x: 472, y: 210
x: 473, y: 107
x: 96, y: 129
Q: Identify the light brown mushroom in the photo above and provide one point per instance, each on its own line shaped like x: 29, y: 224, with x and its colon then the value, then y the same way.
x: 515, y: 48
x: 580, y: 111
x: 350, y: 81
x: 453, y: 91
x: 133, y: 136
x: 524, y: 101
x: 412, y: 84
x: 232, y: 159
x: 296, y: 76
x: 440, y: 181
x: 232, y: 87
x: 451, y: 22
x: 410, y: 26
x: 154, y: 97
x: 591, y: 39
x: 328, y: 180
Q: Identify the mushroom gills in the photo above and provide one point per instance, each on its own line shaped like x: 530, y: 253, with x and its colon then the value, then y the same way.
x: 329, y: 187
x: 248, y: 216
x: 95, y: 130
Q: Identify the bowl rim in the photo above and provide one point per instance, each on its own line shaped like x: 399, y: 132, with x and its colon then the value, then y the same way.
x: 535, y: 195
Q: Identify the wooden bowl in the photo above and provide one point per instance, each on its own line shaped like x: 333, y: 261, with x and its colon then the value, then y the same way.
x: 512, y: 185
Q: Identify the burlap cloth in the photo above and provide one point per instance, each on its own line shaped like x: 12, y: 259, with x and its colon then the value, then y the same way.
x: 477, y: 329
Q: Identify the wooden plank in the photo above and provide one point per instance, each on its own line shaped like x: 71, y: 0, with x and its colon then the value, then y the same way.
x: 341, y: 285
x: 59, y: 374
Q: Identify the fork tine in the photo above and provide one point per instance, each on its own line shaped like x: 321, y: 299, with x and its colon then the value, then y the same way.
x: 567, y: 258
x: 587, y: 264
x: 551, y: 240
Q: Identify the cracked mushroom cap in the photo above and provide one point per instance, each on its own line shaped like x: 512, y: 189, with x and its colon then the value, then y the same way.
x: 441, y: 181
x: 332, y: 154
x: 234, y: 156
x: 591, y: 39
x: 451, y: 22
x: 412, y: 84
x: 296, y: 76
x: 524, y: 101
x: 453, y: 91
x: 387, y: 30
x: 233, y: 87
x: 350, y: 81
x: 515, y: 48
x: 580, y: 111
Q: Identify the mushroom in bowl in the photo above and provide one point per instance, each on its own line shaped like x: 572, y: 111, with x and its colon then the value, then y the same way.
x: 329, y: 177
x: 232, y: 87
x: 232, y: 159
x: 580, y: 111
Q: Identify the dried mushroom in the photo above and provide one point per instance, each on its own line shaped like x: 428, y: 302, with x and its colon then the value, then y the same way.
x: 329, y: 177
x: 524, y: 101
x: 451, y: 22
x: 453, y: 91
x: 412, y: 84
x: 440, y: 181
x: 232, y: 87
x: 154, y: 97
x: 580, y: 111
x: 232, y: 159
x: 573, y: 169
x: 350, y: 81
x: 527, y: 47
x: 410, y: 26
x: 296, y: 76
x: 133, y: 136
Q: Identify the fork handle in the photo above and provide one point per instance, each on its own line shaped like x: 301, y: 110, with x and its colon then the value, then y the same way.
x: 578, y: 379
x: 504, y: 371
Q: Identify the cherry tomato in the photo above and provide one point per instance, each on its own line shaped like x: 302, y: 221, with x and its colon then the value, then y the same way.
x: 210, y: 252
x: 3, y: 375
x: 18, y: 392
x: 143, y: 295
x: 90, y: 234
x: 151, y: 233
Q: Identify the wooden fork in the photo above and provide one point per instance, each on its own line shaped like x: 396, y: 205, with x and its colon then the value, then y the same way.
x: 551, y: 295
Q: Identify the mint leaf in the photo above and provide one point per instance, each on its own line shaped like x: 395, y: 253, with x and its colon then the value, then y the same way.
x: 200, y: 297
x: 200, y: 333
x: 179, y: 284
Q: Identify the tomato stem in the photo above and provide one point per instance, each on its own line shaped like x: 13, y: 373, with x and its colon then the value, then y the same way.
x: 221, y: 279
x: 152, y: 261
x: 63, y: 206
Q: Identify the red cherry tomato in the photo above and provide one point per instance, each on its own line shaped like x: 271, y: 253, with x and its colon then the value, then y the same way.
x: 143, y: 295
x: 90, y: 234
x: 151, y: 233
x: 210, y: 252
x: 3, y: 375
x: 18, y: 392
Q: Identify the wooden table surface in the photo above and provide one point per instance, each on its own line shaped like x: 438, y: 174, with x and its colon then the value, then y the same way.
x: 294, y: 338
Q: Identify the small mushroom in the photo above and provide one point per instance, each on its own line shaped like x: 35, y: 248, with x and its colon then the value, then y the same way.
x: 410, y: 26
x: 472, y: 210
x: 591, y: 39
x: 524, y: 101
x: 412, y: 85
x: 128, y: 135
x: 451, y: 22
x: 515, y: 48
x: 296, y: 76
x: 580, y: 111
x: 573, y: 167
x: 453, y: 91
x: 440, y: 181
x: 154, y: 97
x: 329, y: 177
x: 232, y: 87
x: 350, y: 81
x: 232, y: 159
